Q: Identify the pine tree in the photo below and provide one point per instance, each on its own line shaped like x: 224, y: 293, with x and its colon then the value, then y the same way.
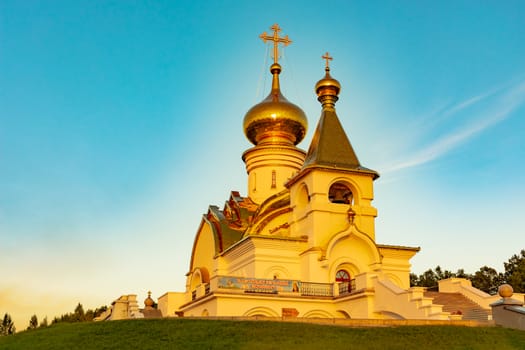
x: 7, y: 327
x: 33, y: 323
x: 79, y: 315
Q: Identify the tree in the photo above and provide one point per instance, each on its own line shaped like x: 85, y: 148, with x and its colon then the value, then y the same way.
x: 430, y: 278
x: 487, y: 279
x: 43, y: 323
x: 79, y: 315
x: 414, y: 279
x: 427, y: 279
x: 462, y: 274
x: 7, y: 327
x: 33, y: 323
x: 515, y: 272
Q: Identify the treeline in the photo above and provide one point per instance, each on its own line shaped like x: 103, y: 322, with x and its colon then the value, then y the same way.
x: 7, y: 327
x: 79, y: 315
x: 486, y: 278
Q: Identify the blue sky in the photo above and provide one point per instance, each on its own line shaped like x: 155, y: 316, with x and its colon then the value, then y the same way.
x: 120, y: 122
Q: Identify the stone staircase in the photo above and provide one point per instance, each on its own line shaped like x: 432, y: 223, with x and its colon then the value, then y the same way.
x: 406, y: 304
x: 453, y: 302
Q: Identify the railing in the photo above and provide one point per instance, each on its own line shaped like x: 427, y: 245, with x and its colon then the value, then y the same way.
x: 206, y: 289
x: 346, y: 287
x: 316, y: 289
x: 194, y: 295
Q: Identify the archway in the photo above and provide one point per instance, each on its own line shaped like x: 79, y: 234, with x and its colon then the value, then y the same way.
x: 340, y: 193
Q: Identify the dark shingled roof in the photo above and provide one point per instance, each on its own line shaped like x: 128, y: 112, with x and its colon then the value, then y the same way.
x: 330, y: 147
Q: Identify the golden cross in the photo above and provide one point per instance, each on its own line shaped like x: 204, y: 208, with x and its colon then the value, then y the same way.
x: 328, y: 58
x: 276, y: 40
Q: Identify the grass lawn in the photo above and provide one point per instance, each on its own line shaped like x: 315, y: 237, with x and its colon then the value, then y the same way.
x: 212, y: 334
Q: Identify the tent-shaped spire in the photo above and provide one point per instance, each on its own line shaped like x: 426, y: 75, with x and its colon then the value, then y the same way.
x: 330, y: 147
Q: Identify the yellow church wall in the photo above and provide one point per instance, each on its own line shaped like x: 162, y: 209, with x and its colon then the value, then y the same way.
x: 317, y: 217
x: 231, y: 304
x: 265, y: 257
x: 348, y: 253
x: 354, y: 247
x: 169, y: 302
x: 396, y: 264
x: 248, y: 305
x: 202, y: 264
x: 361, y: 307
x: 204, y: 248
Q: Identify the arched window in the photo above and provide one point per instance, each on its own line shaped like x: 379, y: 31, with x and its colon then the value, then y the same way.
x: 340, y: 193
x: 342, y: 277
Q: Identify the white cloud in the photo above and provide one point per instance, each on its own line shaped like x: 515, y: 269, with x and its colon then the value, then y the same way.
x: 502, y: 107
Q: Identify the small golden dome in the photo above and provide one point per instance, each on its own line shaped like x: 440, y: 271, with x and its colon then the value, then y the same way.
x: 327, y: 85
x: 148, y: 302
x: 327, y: 88
x: 275, y: 119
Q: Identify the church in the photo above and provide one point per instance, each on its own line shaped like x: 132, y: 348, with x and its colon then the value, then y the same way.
x: 302, y: 242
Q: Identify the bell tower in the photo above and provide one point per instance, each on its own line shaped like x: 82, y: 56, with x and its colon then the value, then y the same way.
x: 332, y: 192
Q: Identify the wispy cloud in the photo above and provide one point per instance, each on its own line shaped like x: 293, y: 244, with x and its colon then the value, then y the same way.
x: 473, y: 100
x: 502, y: 107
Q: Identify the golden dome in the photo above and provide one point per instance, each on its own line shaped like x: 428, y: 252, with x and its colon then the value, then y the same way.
x: 148, y: 302
x: 327, y: 85
x: 327, y: 88
x: 275, y: 119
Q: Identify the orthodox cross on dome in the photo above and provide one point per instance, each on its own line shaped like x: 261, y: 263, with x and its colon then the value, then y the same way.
x: 276, y: 40
x: 328, y: 58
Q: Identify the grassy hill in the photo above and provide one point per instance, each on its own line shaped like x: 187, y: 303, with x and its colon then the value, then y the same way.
x: 212, y: 334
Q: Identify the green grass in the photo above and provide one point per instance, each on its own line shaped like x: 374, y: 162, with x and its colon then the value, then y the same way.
x: 210, y: 334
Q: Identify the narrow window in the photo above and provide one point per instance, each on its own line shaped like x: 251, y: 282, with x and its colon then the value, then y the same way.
x: 274, y: 180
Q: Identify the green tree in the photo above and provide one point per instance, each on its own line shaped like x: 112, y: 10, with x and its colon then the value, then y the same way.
x: 414, y: 279
x: 44, y: 323
x: 79, y: 315
x: 487, y: 279
x: 441, y: 275
x: 33, y: 323
x: 515, y: 272
x: 462, y: 274
x: 428, y: 279
x: 7, y: 327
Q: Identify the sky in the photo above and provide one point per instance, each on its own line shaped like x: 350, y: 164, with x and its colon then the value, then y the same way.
x: 121, y: 121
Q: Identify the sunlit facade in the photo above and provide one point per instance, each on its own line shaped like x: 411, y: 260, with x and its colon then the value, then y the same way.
x: 302, y: 242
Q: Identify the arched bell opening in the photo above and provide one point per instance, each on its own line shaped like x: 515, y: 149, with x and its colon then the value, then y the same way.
x: 340, y: 193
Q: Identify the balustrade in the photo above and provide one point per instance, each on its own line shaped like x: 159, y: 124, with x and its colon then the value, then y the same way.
x: 316, y: 289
